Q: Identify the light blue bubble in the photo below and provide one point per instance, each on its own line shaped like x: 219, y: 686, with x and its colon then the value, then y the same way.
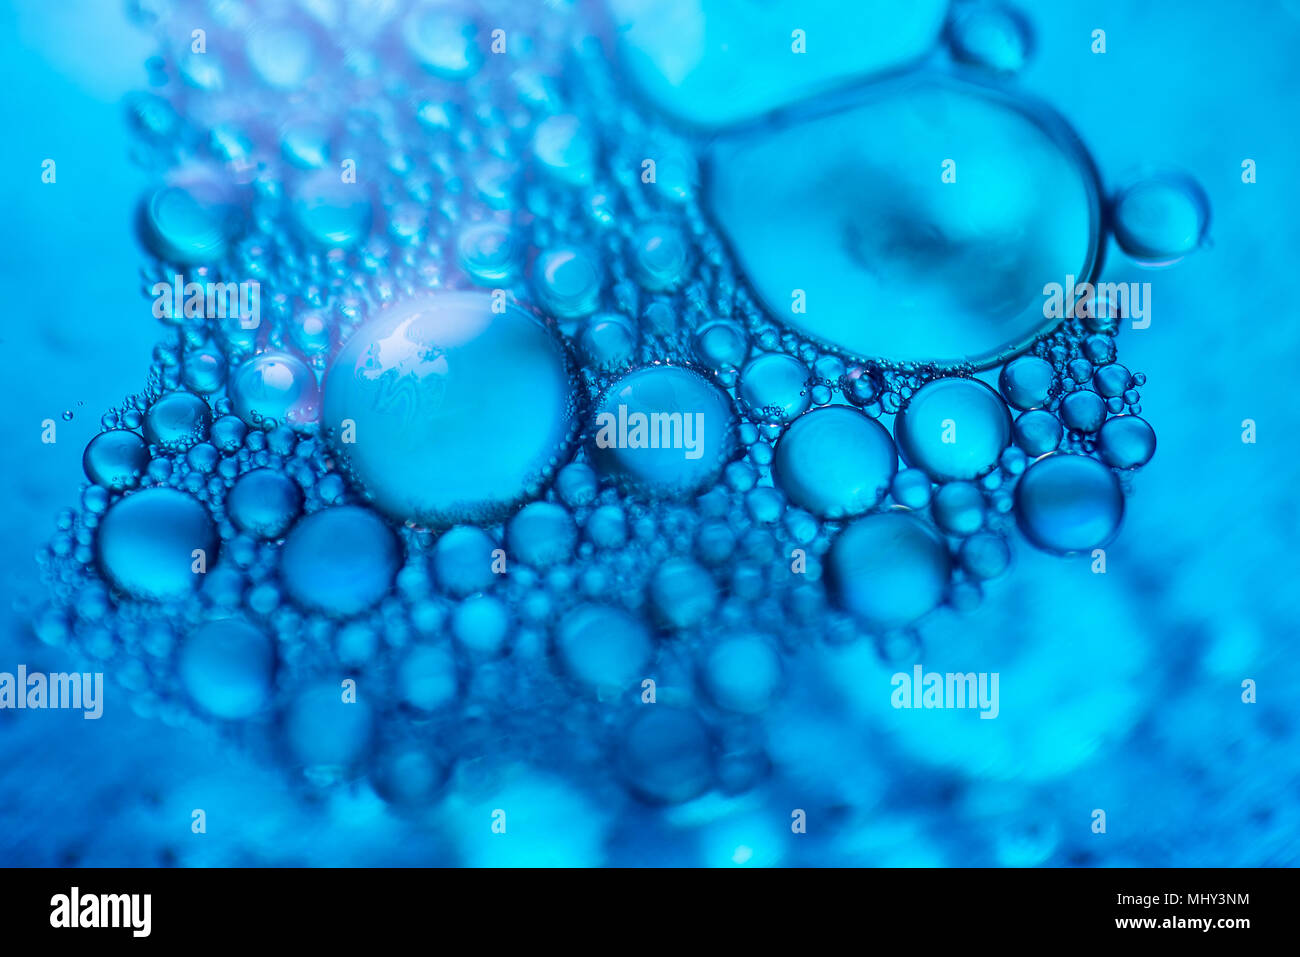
x: 115, y: 459
x: 329, y: 212
x: 177, y: 421
x: 1161, y: 219
x: 443, y: 42
x: 985, y: 555
x: 275, y: 388
x: 1083, y: 411
x: 227, y: 667
x: 953, y: 429
x: 660, y: 255
x: 958, y: 508
x: 835, y: 462
x: 339, y: 561
x: 602, y: 647
x: 774, y: 387
x: 888, y: 569
x: 192, y: 219
x: 666, y: 755
x: 488, y: 252
x: 683, y: 594
x: 742, y: 674
x: 1038, y: 432
x: 990, y: 35
x: 326, y: 734
x: 458, y: 413
x: 1026, y: 382
x: 1069, y: 503
x: 911, y: 488
x: 542, y: 534
x: 427, y: 678
x: 145, y: 544
x: 264, y: 503
x: 1126, y: 442
x: 568, y: 281
x: 481, y: 625
x: 565, y: 149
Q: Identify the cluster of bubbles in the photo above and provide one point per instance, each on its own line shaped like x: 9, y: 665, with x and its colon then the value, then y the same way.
x: 393, y: 477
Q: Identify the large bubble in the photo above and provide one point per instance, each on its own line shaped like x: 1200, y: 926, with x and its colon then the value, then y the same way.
x: 147, y: 544
x: 888, y: 569
x: 1069, y: 503
x: 835, y: 462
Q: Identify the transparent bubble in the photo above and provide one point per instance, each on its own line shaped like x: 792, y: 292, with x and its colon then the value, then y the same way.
x: 602, y: 647
x: 275, y: 388
x: 1126, y: 442
x: 888, y: 569
x: 953, y: 429
x: 339, y: 561
x: 264, y: 503
x: 835, y: 462
x: 115, y: 459
x: 1069, y: 503
x: 145, y: 544
x: 1161, y: 219
x: 226, y: 667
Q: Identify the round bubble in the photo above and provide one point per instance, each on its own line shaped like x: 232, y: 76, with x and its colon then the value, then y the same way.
x: 329, y: 212
x: 1069, y: 503
x: 1038, y: 432
x: 146, y: 544
x: 115, y: 459
x: 227, y: 667
x: 191, y: 220
x: 602, y: 647
x: 481, y: 625
x: 1026, y: 382
x: 1126, y: 442
x: 568, y: 281
x: 985, y: 555
x: 488, y: 253
x: 721, y: 344
x: 1083, y: 411
x: 339, y: 561
x: 463, y: 559
x: 542, y: 534
x: 281, y: 54
x: 911, y: 488
x: 774, y: 386
x: 660, y: 256
x: 427, y: 678
x: 408, y: 773
x: 742, y: 674
x: 958, y: 508
x: 565, y: 149
x: 264, y: 503
x: 989, y: 35
x: 177, y: 421
x: 447, y: 412
x: 666, y: 755
x: 443, y: 42
x: 888, y: 569
x: 953, y: 429
x: 1160, y: 220
x: 664, y: 430
x: 323, y: 731
x: 275, y: 388
x: 683, y: 593
x: 835, y: 462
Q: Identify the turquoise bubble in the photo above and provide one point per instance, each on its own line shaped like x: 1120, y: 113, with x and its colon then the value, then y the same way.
x: 280, y: 53
x: 989, y: 35
x: 602, y: 647
x: 608, y: 341
x: 542, y: 534
x: 958, y: 508
x: 911, y: 488
x: 835, y: 462
x: 568, y: 281
x: 446, y: 412
x: 666, y: 755
x: 203, y: 370
x: 481, y: 625
x: 145, y: 544
x: 1083, y: 411
x: 275, y: 388
x: 774, y: 387
x: 984, y: 555
x: 715, y: 62
x: 661, y: 256
x: 1038, y: 432
x: 264, y: 503
x: 339, y: 561
x: 326, y: 734
x: 1069, y: 503
x: 177, y: 421
x: 888, y: 569
x: 409, y: 774
x: 683, y: 594
x: 1112, y: 380
x: 443, y: 42
x: 330, y: 212
x: 489, y: 254
x: 115, y: 459
x: 721, y: 344
x: 953, y: 429
x: 920, y: 270
x: 227, y: 667
x: 193, y: 219
x: 1126, y: 442
x: 742, y: 674
x: 564, y: 147
x: 462, y: 560
x: 688, y: 418
x: 1160, y: 220
x: 1026, y: 382
x: 427, y: 678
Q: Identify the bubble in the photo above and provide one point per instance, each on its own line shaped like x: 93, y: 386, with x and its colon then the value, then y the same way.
x: 660, y: 256
x: 542, y: 534
x: 683, y: 593
x: 177, y: 420
x: 339, y: 561
x: 989, y: 35
x: 666, y: 755
x: 602, y: 647
x: 226, y: 667
x: 282, y: 55
x: 953, y: 429
x: 488, y: 253
x: 1126, y: 442
x: 305, y: 144
x: 275, y: 388
x: 459, y: 413
x: 1083, y: 411
x: 911, y: 488
x: 608, y: 341
x: 1069, y: 503
x: 721, y: 344
x: 1112, y: 380
x: 203, y: 370
x: 325, y: 733
x: 958, y: 508
x: 1038, y: 432
x: 329, y: 212
x: 712, y: 64
x: 443, y: 42
x: 145, y: 544
x: 922, y: 270
x: 835, y: 462
x: 1026, y: 382
x: 115, y: 459
x: 462, y: 560
x: 481, y: 625
x: 192, y: 219
x: 408, y: 773
x: 679, y: 467
x: 985, y: 555
x: 1160, y: 220
x: 568, y: 281
x: 228, y: 433
x: 427, y: 678
x: 888, y: 569
x: 565, y: 148
x: 775, y: 387
x: 742, y: 674
x: 264, y: 503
